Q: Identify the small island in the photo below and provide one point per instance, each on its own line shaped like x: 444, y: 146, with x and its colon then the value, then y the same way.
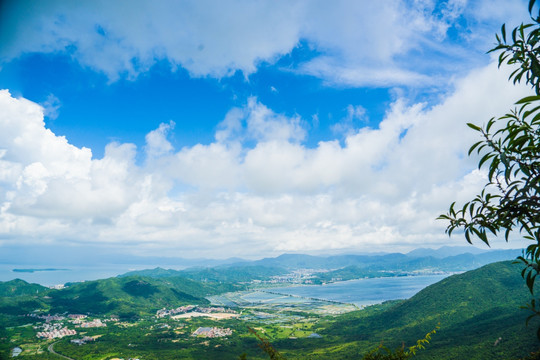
x: 36, y: 270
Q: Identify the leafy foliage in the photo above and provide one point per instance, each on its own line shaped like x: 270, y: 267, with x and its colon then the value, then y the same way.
x: 383, y: 353
x: 510, y: 149
x: 265, y: 345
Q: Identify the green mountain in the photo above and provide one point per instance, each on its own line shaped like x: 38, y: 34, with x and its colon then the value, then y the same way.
x: 124, y: 296
x: 155, y: 273
x: 216, y: 275
x: 18, y: 297
x: 20, y: 287
x: 474, y: 310
x: 349, y: 273
x: 234, y: 273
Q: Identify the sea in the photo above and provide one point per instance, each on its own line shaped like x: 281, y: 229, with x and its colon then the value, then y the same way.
x: 364, y: 292
x: 59, y: 275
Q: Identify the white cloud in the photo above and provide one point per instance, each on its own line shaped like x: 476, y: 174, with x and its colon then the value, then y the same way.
x: 257, y: 122
x: 356, y: 115
x: 48, y: 177
x: 205, y: 37
x: 353, y: 42
x: 156, y: 140
x: 257, y: 189
x: 51, y: 106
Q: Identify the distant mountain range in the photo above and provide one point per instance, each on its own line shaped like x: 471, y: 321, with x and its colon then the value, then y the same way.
x: 446, y: 251
x: 341, y: 267
x: 49, y: 256
x: 445, y: 258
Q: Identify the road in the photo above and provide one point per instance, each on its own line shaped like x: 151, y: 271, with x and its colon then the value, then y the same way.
x: 51, y: 350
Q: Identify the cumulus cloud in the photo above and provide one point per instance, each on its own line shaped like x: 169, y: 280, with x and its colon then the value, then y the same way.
x: 48, y: 177
x: 351, y: 42
x: 257, y: 122
x: 257, y: 189
x: 156, y: 140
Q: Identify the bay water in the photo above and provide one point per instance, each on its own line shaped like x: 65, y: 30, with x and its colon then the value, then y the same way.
x: 364, y: 291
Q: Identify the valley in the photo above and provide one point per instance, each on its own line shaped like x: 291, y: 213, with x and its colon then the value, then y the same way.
x: 163, y: 314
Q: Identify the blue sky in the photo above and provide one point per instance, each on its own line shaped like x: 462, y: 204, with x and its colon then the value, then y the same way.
x: 243, y: 128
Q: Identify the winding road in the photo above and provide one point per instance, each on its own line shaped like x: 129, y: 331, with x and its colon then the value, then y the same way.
x: 51, y: 350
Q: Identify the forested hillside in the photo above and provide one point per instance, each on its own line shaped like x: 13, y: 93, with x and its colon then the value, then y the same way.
x: 128, y: 297
x: 478, y: 311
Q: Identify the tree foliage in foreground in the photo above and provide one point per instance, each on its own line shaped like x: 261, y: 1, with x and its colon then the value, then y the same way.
x: 510, y: 150
x: 383, y: 353
x: 379, y: 353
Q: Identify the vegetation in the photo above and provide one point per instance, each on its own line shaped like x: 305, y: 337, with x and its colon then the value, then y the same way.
x: 19, y: 287
x: 383, y: 353
x: 126, y: 297
x: 231, y: 274
x: 476, y: 309
x: 333, y: 268
x: 510, y: 148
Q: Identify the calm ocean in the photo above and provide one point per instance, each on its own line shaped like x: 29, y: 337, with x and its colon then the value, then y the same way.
x: 364, y: 291
x: 67, y: 273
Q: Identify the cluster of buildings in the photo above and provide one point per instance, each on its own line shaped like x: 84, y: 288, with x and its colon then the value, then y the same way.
x: 82, y: 341
x: 192, y: 308
x: 212, y: 332
x: 300, y: 276
x: 56, y: 333
x: 179, y: 310
x: 57, y: 287
x: 92, y: 324
x: 77, y: 316
x: 48, y: 318
x: 50, y: 330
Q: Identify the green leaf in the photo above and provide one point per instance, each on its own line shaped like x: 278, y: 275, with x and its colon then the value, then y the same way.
x: 484, y: 159
x: 474, y: 127
x: 528, y: 99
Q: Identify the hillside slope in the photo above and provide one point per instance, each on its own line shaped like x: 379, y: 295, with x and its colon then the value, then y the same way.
x: 18, y: 287
x: 474, y: 309
x: 124, y: 296
x: 217, y: 275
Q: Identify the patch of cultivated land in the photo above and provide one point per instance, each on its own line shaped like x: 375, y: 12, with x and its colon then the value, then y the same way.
x: 261, y: 299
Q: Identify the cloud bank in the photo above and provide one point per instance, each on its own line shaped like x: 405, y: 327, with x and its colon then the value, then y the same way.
x: 352, y: 43
x: 257, y: 189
